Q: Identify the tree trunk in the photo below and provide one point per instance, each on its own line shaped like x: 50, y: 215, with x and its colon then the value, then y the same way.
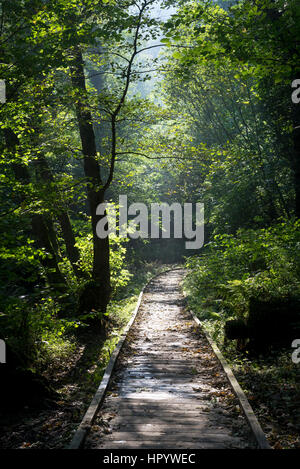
x: 41, y: 234
x: 63, y: 217
x: 39, y: 223
x: 97, y: 294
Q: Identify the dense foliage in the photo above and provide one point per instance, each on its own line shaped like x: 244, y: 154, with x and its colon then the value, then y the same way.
x: 71, y: 125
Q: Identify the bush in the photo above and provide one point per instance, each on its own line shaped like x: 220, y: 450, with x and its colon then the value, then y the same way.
x: 262, y: 264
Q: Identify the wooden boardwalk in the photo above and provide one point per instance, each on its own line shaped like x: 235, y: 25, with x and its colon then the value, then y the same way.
x: 168, y: 390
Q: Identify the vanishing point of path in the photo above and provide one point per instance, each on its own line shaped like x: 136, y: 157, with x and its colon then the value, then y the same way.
x: 168, y: 389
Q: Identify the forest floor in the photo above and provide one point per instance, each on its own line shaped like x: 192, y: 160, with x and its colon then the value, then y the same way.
x: 272, y: 386
x: 50, y: 423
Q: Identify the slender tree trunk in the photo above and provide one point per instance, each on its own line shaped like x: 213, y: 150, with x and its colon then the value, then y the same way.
x: 41, y: 234
x: 53, y: 237
x: 39, y: 223
x: 46, y: 175
x: 96, y: 295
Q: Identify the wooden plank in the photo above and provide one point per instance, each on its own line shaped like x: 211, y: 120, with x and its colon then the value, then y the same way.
x: 199, y: 420
x: 165, y: 444
x: 164, y: 363
x: 166, y: 427
x: 152, y: 363
x: 157, y: 375
x: 175, y: 436
x: 164, y: 414
x: 174, y: 403
x: 162, y: 396
x: 147, y: 385
x: 184, y: 405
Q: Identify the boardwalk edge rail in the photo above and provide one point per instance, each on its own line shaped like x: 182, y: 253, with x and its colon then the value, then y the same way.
x: 89, y: 417
x: 252, y: 420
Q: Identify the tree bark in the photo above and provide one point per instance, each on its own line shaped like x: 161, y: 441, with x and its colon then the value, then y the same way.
x: 95, y: 192
x: 46, y: 175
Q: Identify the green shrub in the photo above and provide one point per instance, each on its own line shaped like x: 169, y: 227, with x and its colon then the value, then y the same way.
x: 262, y: 263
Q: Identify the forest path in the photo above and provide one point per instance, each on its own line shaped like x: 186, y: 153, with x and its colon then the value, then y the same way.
x: 168, y: 389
